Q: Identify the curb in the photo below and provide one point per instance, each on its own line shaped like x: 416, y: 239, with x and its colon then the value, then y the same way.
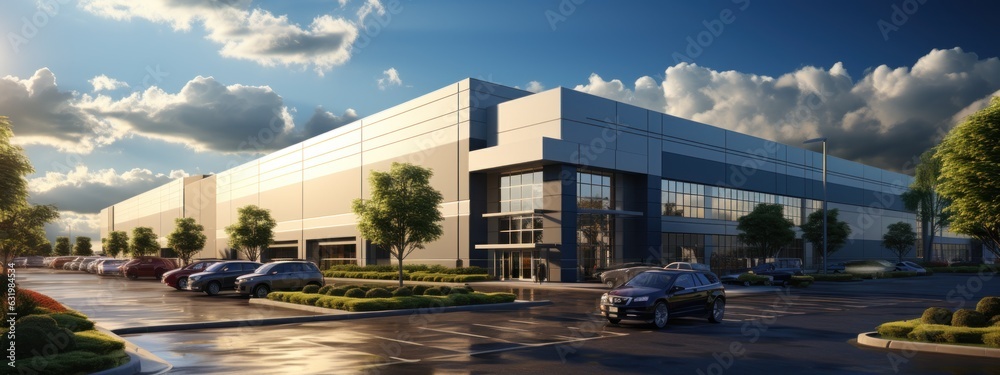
x: 141, y: 361
x: 735, y: 292
x: 321, y: 318
x: 869, y: 339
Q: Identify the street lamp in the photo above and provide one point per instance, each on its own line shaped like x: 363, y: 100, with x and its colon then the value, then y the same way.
x: 814, y: 140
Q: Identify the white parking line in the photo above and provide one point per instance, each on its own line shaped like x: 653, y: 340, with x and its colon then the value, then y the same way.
x: 397, y: 340
x: 522, y: 322
x: 499, y: 328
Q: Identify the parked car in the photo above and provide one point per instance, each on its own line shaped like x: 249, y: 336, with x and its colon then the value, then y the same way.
x: 61, y: 261
x: 835, y: 267
x: 658, y: 295
x: 73, y: 265
x: 147, y: 266
x: 871, y: 267
x: 178, y: 278
x: 687, y: 266
x: 220, y: 276
x: 86, y: 262
x: 110, y: 267
x: 284, y: 275
x: 910, y: 266
x: 29, y: 261
x: 779, y: 271
x: 616, y: 277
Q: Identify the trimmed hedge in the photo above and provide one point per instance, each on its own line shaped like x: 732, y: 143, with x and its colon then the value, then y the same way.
x: 968, y: 318
x: 414, y: 276
x: 989, y: 306
x: 378, y: 293
x: 936, y: 315
x: 965, y: 269
x: 410, y: 268
x: 355, y: 293
x: 402, y: 292
x: 97, y: 342
x: 837, y: 277
x: 325, y: 290
x: 72, y: 322
x: 992, y: 339
x: 434, y: 291
x: 310, y: 289
x: 995, y: 321
x: 753, y: 279
x: 393, y: 303
x: 801, y: 281
x: 898, y: 329
x: 950, y: 335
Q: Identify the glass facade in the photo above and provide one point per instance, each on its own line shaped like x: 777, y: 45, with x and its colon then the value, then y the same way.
x: 520, y: 191
x: 595, y: 231
x: 593, y: 190
x: 699, y: 201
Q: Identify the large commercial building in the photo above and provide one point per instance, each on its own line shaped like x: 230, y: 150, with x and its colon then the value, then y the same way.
x: 559, y: 177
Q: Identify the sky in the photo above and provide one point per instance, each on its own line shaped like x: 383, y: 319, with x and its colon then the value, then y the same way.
x: 110, y: 98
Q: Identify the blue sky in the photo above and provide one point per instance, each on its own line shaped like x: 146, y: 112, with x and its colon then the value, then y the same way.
x: 113, y: 97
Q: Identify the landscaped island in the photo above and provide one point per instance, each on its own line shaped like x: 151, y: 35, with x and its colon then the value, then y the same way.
x: 377, y: 298
x: 940, y: 325
x: 414, y: 272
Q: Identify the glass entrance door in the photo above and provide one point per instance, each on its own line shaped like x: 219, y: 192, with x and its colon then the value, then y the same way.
x: 526, y: 268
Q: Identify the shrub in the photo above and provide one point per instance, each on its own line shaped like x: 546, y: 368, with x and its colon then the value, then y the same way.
x: 48, y: 340
x: 459, y: 291
x: 419, y: 290
x: 44, y: 322
x: 39, y: 300
x: 926, y: 333
x: 378, y: 293
x: 434, y: 291
x: 753, y: 279
x: 501, y: 297
x: 97, y: 342
x: 968, y: 318
x: 992, y: 339
x: 936, y: 315
x: 989, y: 306
x: 310, y: 289
x: 801, y: 281
x: 325, y: 290
x: 24, y: 303
x: 402, y: 292
x: 339, y: 291
x: 355, y: 293
x: 834, y: 277
x: 897, y: 329
x: 445, y: 290
x: 72, y: 322
x: 81, y: 362
x: 459, y: 299
x: 995, y: 321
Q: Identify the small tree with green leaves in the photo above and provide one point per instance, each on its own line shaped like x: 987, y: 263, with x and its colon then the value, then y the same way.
x: 837, y: 231
x: 43, y: 249
x: 14, y: 166
x: 765, y: 230
x: 899, y: 238
x: 116, y: 243
x: 187, y: 239
x: 22, y: 230
x: 62, y: 246
x: 253, y: 231
x: 143, y: 242
x: 83, y: 246
x: 970, y: 175
x: 402, y: 213
x: 924, y: 200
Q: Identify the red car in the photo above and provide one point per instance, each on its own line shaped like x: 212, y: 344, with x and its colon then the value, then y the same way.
x: 178, y: 278
x: 147, y: 266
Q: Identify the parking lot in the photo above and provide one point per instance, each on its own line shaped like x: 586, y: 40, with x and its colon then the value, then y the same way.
x: 773, y: 329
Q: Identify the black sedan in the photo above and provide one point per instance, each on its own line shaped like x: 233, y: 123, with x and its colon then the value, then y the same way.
x: 220, y: 276
x: 658, y: 295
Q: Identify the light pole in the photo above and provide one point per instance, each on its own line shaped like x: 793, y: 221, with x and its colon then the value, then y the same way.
x: 822, y: 139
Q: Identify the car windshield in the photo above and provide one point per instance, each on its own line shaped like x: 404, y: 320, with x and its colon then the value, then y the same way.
x: 215, y: 267
x: 263, y: 269
x: 656, y: 280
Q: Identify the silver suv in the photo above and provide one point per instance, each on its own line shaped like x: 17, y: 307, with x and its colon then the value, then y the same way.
x: 285, y: 275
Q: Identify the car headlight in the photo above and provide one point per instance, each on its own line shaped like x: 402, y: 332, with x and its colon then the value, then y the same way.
x: 194, y: 278
x: 249, y: 279
x: 604, y: 298
x: 641, y: 299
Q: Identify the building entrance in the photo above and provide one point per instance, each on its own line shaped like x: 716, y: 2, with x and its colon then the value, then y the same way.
x: 515, y: 264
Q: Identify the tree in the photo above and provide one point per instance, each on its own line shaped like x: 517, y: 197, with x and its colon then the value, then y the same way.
x: 188, y: 238
x: 14, y: 166
x: 143, y: 242
x: 899, y: 238
x: 924, y: 200
x: 253, y: 232
x: 765, y: 230
x: 402, y: 213
x: 970, y: 175
x: 83, y: 246
x: 116, y: 243
x: 43, y: 249
x: 836, y: 231
x: 62, y: 246
x: 22, y: 230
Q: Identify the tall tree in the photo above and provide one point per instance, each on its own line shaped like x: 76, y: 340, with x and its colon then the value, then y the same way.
x: 43, y: 249
x: 83, y: 246
x: 899, y: 238
x: 836, y: 231
x: 765, y: 230
x: 187, y: 238
x: 253, y: 231
x: 116, y: 243
x: 62, y: 245
x: 923, y: 198
x: 14, y: 166
x: 22, y: 230
x: 143, y: 242
x: 970, y: 175
x: 402, y: 213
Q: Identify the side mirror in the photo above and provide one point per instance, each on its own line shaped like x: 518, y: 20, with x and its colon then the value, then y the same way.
x: 274, y: 272
x: 676, y: 288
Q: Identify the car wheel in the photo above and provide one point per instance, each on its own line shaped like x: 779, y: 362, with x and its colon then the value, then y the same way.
x: 610, y: 284
x: 182, y: 283
x: 746, y: 283
x: 132, y: 276
x: 614, y: 321
x: 159, y: 274
x: 213, y: 288
x: 717, y: 310
x: 261, y: 291
x: 660, y: 315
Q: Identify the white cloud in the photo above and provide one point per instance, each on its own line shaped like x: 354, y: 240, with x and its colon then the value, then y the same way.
x: 389, y: 78
x: 105, y: 83
x: 83, y: 191
x: 884, y: 119
x: 535, y: 86
x: 369, y: 7
x: 41, y: 113
x: 249, y: 34
x: 87, y: 225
